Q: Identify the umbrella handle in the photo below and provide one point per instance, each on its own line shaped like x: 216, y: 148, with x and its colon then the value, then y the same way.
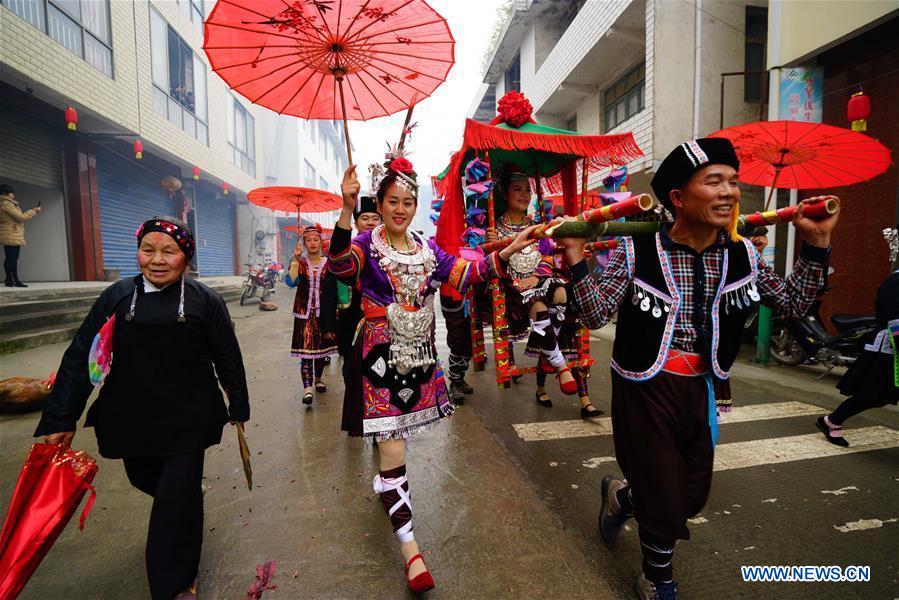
x: 346, y: 127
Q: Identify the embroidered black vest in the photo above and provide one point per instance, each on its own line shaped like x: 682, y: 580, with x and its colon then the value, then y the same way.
x: 646, y: 318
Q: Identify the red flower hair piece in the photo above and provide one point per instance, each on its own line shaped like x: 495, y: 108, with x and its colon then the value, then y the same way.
x: 402, y: 165
x: 514, y: 109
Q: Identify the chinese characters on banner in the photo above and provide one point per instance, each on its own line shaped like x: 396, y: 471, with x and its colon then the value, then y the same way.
x: 802, y: 94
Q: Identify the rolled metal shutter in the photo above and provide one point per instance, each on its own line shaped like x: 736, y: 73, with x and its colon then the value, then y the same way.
x: 215, y: 234
x: 129, y: 196
x: 31, y: 151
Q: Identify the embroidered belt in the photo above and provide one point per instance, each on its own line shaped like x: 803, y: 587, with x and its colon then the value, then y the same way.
x: 689, y: 364
x: 371, y: 310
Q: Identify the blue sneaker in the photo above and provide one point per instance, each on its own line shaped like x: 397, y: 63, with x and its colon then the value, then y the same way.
x: 647, y: 590
x: 610, y: 515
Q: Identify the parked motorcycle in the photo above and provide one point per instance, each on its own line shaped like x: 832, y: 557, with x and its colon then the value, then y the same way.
x: 796, y: 341
x: 261, y: 280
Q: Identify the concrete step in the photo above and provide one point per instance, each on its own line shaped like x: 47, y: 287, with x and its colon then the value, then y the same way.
x: 30, y: 307
x: 16, y: 342
x: 32, y: 321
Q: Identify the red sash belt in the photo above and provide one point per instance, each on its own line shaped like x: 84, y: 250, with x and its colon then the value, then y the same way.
x: 685, y: 363
x: 370, y: 310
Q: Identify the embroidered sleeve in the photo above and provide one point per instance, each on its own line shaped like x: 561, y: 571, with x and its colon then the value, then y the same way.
x: 597, y: 300
x: 346, y: 258
x: 459, y: 273
x: 791, y: 297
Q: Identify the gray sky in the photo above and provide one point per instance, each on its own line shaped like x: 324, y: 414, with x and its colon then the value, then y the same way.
x: 442, y: 116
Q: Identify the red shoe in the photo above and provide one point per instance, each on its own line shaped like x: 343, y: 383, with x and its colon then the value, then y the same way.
x: 423, y: 581
x: 569, y: 388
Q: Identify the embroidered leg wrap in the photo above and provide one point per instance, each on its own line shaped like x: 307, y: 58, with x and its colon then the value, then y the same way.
x: 543, y: 336
x: 393, y: 487
x: 306, y: 371
x: 582, y: 390
x: 319, y: 367
x: 458, y: 365
x: 657, y: 557
x: 557, y: 316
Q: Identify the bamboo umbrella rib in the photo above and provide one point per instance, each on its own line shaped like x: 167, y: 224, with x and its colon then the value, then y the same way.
x: 298, y: 90
x: 355, y: 99
x: 355, y: 19
x: 315, y: 97
x: 374, y: 21
x: 373, y: 95
x: 405, y: 27
x: 399, y: 79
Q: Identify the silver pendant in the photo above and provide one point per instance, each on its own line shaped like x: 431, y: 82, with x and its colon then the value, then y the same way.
x: 739, y: 304
x: 644, y: 304
x: 666, y: 307
x: 656, y: 312
x: 754, y: 294
x: 634, y: 299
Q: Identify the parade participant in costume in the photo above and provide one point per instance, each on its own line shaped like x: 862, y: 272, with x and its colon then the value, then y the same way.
x: 458, y: 339
x: 682, y: 297
x: 160, y: 406
x: 536, y: 298
x: 873, y: 380
x: 313, y: 324
x: 397, y: 382
x: 365, y: 218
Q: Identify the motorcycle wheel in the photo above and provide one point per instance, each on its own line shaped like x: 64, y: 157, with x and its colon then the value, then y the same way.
x: 784, y: 349
x: 245, y: 293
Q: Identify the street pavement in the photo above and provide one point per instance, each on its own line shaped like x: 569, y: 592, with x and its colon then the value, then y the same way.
x: 506, y: 494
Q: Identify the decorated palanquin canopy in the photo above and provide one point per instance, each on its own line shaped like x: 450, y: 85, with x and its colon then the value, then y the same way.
x: 514, y: 141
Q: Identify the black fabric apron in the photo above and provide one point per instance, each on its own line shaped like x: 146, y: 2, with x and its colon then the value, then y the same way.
x: 161, y: 397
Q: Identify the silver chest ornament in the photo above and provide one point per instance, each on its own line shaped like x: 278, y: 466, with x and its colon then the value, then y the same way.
x: 410, y: 317
x: 524, y: 262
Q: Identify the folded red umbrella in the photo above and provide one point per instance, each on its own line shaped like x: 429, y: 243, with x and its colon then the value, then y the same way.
x: 51, y: 485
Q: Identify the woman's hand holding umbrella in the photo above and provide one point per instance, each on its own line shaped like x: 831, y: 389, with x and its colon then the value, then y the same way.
x: 815, y: 231
x: 350, y: 187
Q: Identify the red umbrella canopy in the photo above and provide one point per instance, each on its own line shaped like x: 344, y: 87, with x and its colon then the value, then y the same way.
x: 390, y: 54
x: 295, y: 199
x: 799, y: 155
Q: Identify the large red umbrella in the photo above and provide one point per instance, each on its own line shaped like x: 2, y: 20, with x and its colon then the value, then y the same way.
x: 295, y: 199
x: 49, y: 490
x: 800, y: 155
x: 297, y: 58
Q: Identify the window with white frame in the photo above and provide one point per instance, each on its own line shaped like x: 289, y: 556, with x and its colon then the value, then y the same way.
x: 241, y: 136
x: 194, y: 10
x: 82, y: 26
x: 179, y: 80
x: 624, y: 98
x: 322, y: 184
x: 310, y: 175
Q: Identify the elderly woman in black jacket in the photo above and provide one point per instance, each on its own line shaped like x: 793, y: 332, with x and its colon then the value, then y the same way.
x: 160, y: 406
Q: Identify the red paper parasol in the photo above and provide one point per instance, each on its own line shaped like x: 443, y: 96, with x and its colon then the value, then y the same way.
x: 295, y: 199
x: 298, y: 58
x: 49, y: 490
x: 800, y: 155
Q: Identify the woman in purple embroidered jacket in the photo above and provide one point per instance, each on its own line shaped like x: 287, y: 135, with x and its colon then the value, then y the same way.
x: 397, y: 378
x: 314, y: 328
x: 535, y: 298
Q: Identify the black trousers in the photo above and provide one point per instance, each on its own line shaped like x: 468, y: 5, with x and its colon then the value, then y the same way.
x: 11, y: 261
x: 664, y: 447
x: 175, y: 534
x: 853, y: 406
x: 458, y: 326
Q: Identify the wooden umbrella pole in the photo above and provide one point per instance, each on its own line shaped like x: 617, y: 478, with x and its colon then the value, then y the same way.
x: 346, y: 127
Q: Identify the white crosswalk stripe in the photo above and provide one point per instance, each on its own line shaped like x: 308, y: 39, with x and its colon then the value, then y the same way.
x: 559, y: 430
x: 754, y: 453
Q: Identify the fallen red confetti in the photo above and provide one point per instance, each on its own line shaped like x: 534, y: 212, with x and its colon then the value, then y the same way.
x: 264, y: 575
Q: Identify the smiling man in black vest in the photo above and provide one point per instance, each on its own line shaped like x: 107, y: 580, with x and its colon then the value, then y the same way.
x: 685, y: 292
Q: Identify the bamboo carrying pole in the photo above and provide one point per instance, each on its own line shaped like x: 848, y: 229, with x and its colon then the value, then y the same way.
x: 587, y: 229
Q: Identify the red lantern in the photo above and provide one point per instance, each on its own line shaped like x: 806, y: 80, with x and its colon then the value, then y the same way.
x: 71, y: 118
x: 858, y: 110
x: 196, y: 173
x: 225, y: 188
x: 138, y: 149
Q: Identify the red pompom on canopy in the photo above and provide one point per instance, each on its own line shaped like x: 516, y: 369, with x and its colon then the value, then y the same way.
x: 513, y: 109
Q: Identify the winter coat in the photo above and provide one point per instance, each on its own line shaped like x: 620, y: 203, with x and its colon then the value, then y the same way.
x: 12, y: 222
